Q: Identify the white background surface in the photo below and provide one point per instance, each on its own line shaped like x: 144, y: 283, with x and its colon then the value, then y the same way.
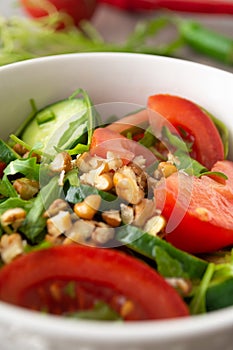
x: 115, y: 25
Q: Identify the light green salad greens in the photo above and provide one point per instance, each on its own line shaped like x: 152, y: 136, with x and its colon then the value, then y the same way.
x: 28, y: 184
x: 22, y: 38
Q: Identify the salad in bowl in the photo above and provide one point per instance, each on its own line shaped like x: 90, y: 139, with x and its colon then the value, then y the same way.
x: 119, y: 212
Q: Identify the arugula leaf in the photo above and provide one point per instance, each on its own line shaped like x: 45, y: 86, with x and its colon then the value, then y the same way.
x: 146, y: 245
x: 100, y: 312
x: 72, y: 177
x: 23, y: 38
x: 74, y: 139
x: 28, y: 167
x: 6, y: 188
x: 35, y: 149
x: 148, y: 139
x: 198, y: 302
x: 15, y: 202
x: 193, y: 167
x: 70, y: 289
x: 28, y: 119
x: 78, y: 149
x: 188, y: 164
x: 74, y: 132
x: 34, y: 224
x: 222, y: 129
x: 223, y: 271
x: 92, y: 117
x: 215, y: 173
x: 77, y: 193
x: 146, y: 29
x: 168, y: 266
x: 7, y: 154
x: 43, y: 245
x: 220, y: 290
x: 184, y: 161
x: 176, y: 141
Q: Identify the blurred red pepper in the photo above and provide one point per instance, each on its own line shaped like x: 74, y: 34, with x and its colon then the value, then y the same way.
x: 76, y: 9
x: 201, y: 6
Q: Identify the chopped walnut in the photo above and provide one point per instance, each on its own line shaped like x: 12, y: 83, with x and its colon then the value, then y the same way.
x: 143, y: 211
x: 59, y: 223
x: 11, y: 246
x: 112, y: 217
x: 13, y: 217
x: 155, y: 225
x: 55, y: 207
x: 61, y: 162
x: 103, y: 233
x: 26, y: 188
x: 127, y: 214
x: 81, y: 231
x: 126, y: 185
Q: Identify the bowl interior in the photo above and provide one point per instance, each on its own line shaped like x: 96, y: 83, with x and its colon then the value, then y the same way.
x: 108, y: 78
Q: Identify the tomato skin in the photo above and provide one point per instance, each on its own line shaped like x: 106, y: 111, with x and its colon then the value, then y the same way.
x: 2, y: 167
x: 76, y: 9
x: 102, y: 267
x: 180, y: 112
x: 138, y: 119
x: 106, y: 140
x: 203, y: 208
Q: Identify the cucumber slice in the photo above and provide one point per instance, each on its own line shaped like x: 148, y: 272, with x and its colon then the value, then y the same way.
x: 52, y: 118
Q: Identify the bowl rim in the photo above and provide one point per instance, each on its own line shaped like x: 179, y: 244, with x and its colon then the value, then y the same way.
x: 100, y: 55
x: 158, y: 331
x: 99, y: 332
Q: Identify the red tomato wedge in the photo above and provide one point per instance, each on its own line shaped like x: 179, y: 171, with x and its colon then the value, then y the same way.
x: 189, y: 117
x: 140, y: 119
x: 39, y: 279
x: 199, y: 211
x: 105, y: 140
x: 2, y: 167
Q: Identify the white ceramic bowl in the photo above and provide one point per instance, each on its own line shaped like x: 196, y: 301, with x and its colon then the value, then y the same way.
x: 112, y: 78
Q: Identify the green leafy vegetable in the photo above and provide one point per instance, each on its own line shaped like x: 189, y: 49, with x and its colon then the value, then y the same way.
x: 75, y: 193
x: 168, y: 266
x: 15, y: 202
x: 6, y: 188
x: 24, y: 38
x: 198, y: 303
x: 206, y: 41
x: 70, y: 289
x: 27, y: 120
x: 175, y: 140
x: 148, y: 139
x: 188, y: 164
x: 223, y: 131
x: 28, y: 167
x: 220, y: 288
x: 182, y: 159
x: 7, y: 154
x: 35, y: 149
x: 43, y: 245
x: 146, y: 245
x: 100, y: 312
x: 34, y: 224
x: 193, y: 167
